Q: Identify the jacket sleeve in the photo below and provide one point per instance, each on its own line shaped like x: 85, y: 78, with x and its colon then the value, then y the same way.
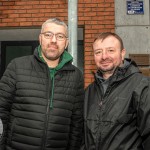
x: 76, y: 132
x: 143, y: 115
x: 7, y: 89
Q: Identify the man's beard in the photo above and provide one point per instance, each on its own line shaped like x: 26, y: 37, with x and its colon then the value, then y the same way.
x: 108, y: 71
x: 56, y: 54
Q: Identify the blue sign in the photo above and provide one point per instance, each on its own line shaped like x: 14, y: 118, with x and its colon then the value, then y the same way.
x: 135, y: 7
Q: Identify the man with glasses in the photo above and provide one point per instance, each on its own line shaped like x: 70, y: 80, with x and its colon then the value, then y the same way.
x: 41, y: 96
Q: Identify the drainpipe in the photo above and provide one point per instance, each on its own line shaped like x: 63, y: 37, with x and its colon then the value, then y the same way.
x: 73, y: 29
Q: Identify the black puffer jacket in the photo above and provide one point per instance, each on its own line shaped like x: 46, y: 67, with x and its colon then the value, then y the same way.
x: 119, y: 119
x: 29, y: 122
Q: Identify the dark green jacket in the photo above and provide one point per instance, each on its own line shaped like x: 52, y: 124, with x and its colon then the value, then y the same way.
x: 25, y: 97
x: 120, y: 118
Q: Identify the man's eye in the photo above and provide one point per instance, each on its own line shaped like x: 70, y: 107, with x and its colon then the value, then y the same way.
x: 60, y: 36
x: 48, y: 35
x: 98, y: 52
x: 110, y: 50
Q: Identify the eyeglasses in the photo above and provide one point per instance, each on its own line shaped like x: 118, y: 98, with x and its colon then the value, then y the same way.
x: 59, y: 36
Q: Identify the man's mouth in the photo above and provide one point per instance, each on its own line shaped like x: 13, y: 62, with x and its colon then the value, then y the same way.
x: 105, y: 62
x: 53, y: 47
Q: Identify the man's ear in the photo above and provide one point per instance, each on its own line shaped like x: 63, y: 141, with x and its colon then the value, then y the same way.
x: 40, y: 39
x: 67, y: 42
x: 123, y: 53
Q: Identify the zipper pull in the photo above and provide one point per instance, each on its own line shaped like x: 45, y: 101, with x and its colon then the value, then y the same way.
x: 101, y: 103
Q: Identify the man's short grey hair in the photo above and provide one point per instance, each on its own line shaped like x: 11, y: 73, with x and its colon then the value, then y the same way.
x: 56, y: 21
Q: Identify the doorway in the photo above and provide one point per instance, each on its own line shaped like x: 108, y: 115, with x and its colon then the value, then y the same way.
x: 14, y: 49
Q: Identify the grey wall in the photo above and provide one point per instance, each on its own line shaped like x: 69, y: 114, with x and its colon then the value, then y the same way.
x: 133, y: 29
x: 19, y: 34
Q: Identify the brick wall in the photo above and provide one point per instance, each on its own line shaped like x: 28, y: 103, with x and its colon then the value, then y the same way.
x: 94, y: 16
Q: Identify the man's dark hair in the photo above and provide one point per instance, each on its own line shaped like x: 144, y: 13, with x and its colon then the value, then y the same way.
x: 104, y: 35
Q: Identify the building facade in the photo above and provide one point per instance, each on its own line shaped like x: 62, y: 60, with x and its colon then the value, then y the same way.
x: 20, y: 22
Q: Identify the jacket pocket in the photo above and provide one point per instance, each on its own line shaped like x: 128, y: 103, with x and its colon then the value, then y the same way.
x: 126, y: 118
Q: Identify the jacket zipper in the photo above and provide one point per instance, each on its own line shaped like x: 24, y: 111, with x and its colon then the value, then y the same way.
x: 109, y: 89
x: 114, y: 132
x: 47, y: 113
x: 100, y: 103
x: 98, y: 138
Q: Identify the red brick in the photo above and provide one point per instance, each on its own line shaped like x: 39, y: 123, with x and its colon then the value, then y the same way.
x: 12, y: 24
x: 33, y: 3
x: 88, y: 58
x: 91, y: 5
x: 25, y: 24
x: 7, y: 20
x: 8, y: 3
x: 83, y: 9
x: 46, y: 2
x: 25, y: 15
x: 37, y: 23
x: 13, y: 15
x: 21, y: 3
x: 23, y: 7
x: 32, y: 19
x: 3, y: 24
x: 33, y: 11
x: 20, y: 20
x: 39, y: 15
x: 89, y: 66
x: 3, y: 16
x: 39, y: 6
x: 20, y: 11
x: 51, y: 6
x: 45, y: 10
x: 88, y: 75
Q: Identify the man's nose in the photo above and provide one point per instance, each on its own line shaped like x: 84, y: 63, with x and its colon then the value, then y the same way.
x: 104, y: 55
x: 54, y: 38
